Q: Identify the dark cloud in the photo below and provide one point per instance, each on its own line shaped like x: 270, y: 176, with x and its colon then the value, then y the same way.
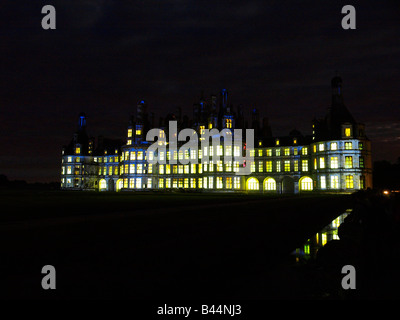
x: 106, y: 55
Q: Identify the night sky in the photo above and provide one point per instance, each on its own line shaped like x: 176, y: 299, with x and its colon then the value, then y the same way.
x: 106, y: 55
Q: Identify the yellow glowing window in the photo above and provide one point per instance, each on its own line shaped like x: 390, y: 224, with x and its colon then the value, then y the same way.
x: 138, y: 183
x: 306, y: 184
x: 202, y: 130
x: 321, y: 147
x: 348, y: 164
x: 260, y: 152
x: 278, y: 166
x: 334, y: 182
x: 315, y: 164
x: 287, y: 151
x: 304, y: 151
x: 269, y: 152
x: 193, y: 167
x: 228, y: 166
x: 253, y: 166
x: 323, y: 182
x: 160, y: 183
x: 126, y: 168
x: 324, y: 239
x: 150, y: 168
x: 200, y: 167
x: 287, y: 165
x: 186, y: 168
x: 138, y: 132
x: 210, y: 182
x: 260, y: 143
x: 235, y: 166
x: 168, y: 183
x: 140, y: 155
x: 110, y: 170
x: 296, y: 165
x: 220, y: 166
x: 236, y: 151
x: 211, y: 151
x: 210, y: 125
x: 228, y: 183
x: 219, y: 150
x: 278, y: 152
x: 322, y: 163
x: 129, y: 133
x: 205, y: 182
x: 347, y: 132
x: 139, y: 168
x: 180, y: 169
x: 236, y: 182
x: 253, y: 184
x: 295, y: 151
x: 294, y: 141
x: 219, y: 183
x: 121, y: 169
x: 268, y: 165
x: 228, y: 151
x: 277, y: 142
x: 186, y: 183
x: 334, y: 163
x: 252, y: 153
x: 211, y: 166
x: 260, y: 166
x: 228, y: 123
x: 193, y: 183
x: 348, y: 145
x: 69, y: 170
x: 270, y: 184
x: 186, y: 155
x: 334, y: 146
x: 200, y: 183
x: 315, y: 148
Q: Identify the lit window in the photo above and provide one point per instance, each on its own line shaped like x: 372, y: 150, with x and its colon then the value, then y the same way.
x: 278, y: 166
x: 220, y: 166
x: 334, y: 182
x: 77, y: 150
x: 287, y: 151
x: 186, y: 168
x: 268, y: 165
x: 186, y: 183
x: 287, y: 165
x: 253, y: 184
x: 306, y: 184
x: 236, y: 151
x: 315, y: 164
x: 304, y: 151
x: 129, y: 133
x: 180, y: 169
x: 269, y: 152
x: 211, y: 166
x: 361, y: 162
x: 228, y: 184
x: 296, y: 165
x: 138, y: 132
x: 229, y: 123
x: 321, y: 162
x: 168, y: 169
x: 69, y: 170
x: 253, y: 166
x: 349, y: 182
x: 260, y: 166
x: 278, y: 152
x: 252, y: 153
x: 219, y: 183
x: 140, y: 155
x: 334, y: 146
x: 321, y: 147
x: 138, y: 183
x: 193, y: 183
x: 348, y: 164
x: 334, y: 163
x: 210, y: 182
x: 295, y: 151
x: 347, y: 132
x: 139, y: 168
x: 269, y: 184
x: 315, y: 148
x: 228, y: 151
x: 161, y: 183
x: 150, y: 168
x: 69, y: 159
x: 348, y: 145
x: 323, y: 182
x: 236, y: 182
x: 202, y: 130
x: 260, y: 152
x: 277, y: 142
x: 168, y: 183
x: 193, y: 167
x: 235, y: 166
x: 361, y: 146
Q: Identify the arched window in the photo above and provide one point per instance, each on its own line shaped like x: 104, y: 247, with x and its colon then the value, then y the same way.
x: 103, y: 184
x: 306, y: 184
x: 270, y: 184
x: 253, y: 184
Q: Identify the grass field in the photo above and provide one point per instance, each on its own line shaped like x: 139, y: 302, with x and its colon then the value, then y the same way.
x: 148, y: 246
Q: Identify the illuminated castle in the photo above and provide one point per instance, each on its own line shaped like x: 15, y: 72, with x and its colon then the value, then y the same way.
x: 335, y: 158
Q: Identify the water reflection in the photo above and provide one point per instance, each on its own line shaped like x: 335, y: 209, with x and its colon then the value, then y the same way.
x: 328, y: 233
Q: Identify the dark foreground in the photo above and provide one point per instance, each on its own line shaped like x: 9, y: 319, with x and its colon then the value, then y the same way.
x: 157, y: 246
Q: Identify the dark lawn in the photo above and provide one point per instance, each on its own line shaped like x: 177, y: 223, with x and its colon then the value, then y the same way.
x: 164, y: 246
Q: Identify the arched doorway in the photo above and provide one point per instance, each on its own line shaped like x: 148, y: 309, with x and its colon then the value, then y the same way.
x: 306, y: 184
x: 269, y: 184
x: 103, y: 185
x: 252, y: 184
x: 287, y: 185
x: 120, y: 184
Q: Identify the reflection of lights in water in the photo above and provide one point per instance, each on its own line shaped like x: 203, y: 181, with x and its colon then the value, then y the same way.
x: 328, y: 233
